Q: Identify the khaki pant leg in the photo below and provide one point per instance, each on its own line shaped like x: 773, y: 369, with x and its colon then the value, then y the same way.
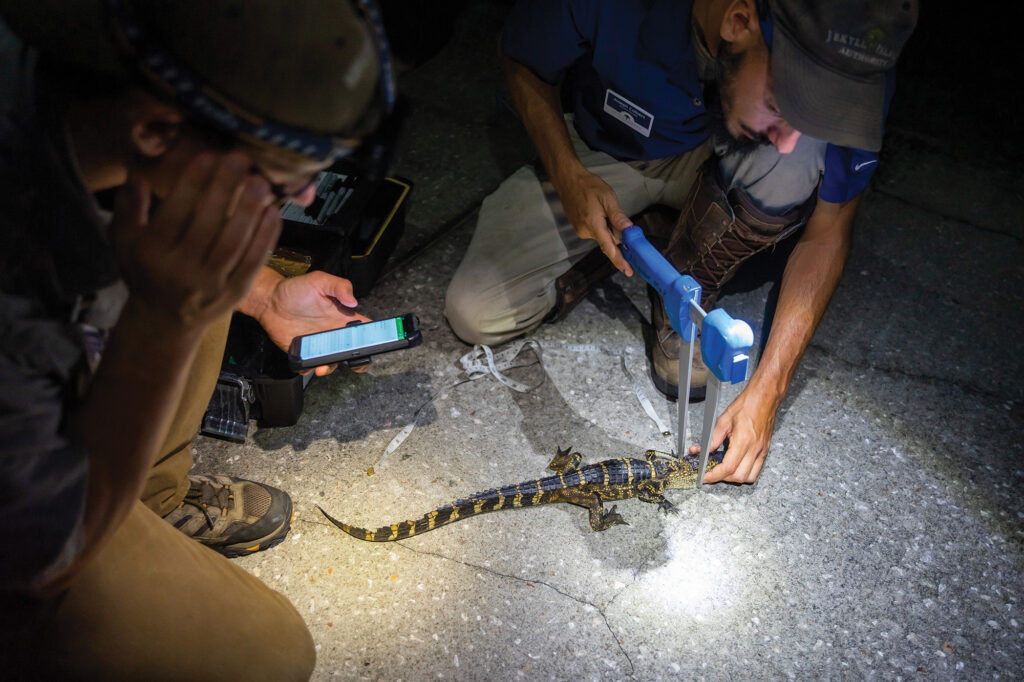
x: 670, y: 180
x: 168, y: 482
x: 157, y: 605
x: 505, y: 284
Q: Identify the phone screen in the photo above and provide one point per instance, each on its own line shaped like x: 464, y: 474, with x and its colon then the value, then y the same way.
x: 350, y: 338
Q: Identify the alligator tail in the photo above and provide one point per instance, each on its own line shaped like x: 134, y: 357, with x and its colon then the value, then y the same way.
x: 406, y: 529
x: 525, y: 494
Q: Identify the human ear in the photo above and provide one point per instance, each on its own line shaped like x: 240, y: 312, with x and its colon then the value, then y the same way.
x: 739, y: 23
x: 155, y: 126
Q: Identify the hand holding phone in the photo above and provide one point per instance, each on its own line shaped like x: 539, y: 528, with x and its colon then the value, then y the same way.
x: 354, y: 342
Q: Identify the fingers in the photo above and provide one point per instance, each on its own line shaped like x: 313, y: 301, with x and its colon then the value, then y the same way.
x: 205, y: 232
x: 177, y: 210
x: 234, y: 226
x: 741, y: 464
x: 131, y: 210
x: 718, y: 436
x: 619, y: 221
x: 228, y: 244
x: 324, y: 370
x: 339, y: 289
x: 593, y: 210
x: 725, y: 469
x: 745, y: 449
x: 255, y: 254
x: 609, y: 248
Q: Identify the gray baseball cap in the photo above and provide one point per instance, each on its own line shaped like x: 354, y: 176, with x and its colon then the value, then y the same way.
x: 829, y: 65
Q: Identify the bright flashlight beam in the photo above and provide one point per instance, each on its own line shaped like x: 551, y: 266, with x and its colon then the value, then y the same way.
x: 696, y: 580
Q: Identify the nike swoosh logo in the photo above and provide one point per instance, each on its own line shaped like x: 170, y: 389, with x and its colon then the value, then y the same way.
x: 864, y: 163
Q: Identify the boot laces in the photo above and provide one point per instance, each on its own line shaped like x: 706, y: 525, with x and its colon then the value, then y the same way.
x: 206, y: 494
x: 730, y: 250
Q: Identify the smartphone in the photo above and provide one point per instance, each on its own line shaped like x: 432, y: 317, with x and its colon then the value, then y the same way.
x: 356, y: 341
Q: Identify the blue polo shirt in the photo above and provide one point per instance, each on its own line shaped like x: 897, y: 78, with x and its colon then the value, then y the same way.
x: 635, y: 87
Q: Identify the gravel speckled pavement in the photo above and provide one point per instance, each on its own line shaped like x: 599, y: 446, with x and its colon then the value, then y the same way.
x: 883, y: 540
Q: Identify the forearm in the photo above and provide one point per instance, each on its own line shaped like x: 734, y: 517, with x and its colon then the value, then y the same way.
x: 126, y: 414
x: 540, y: 109
x: 810, y: 278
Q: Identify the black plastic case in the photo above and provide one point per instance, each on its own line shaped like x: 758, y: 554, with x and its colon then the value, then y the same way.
x: 350, y: 230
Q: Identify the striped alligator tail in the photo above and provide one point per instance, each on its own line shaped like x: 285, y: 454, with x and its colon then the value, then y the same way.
x: 442, y: 516
x: 526, y: 494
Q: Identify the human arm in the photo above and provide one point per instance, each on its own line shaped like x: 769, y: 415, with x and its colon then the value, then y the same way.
x: 287, y: 307
x: 811, y: 276
x: 185, y: 267
x: 589, y: 203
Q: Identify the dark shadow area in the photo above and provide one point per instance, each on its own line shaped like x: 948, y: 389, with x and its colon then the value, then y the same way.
x: 611, y: 300
x: 956, y: 84
x: 509, y: 144
x: 352, y: 406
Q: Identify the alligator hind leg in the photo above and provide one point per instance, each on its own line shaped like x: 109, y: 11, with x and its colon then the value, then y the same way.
x: 565, y: 461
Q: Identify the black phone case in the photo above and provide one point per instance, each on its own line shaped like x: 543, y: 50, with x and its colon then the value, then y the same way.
x: 352, y: 357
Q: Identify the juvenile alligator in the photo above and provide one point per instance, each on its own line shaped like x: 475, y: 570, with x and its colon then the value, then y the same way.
x: 589, y: 486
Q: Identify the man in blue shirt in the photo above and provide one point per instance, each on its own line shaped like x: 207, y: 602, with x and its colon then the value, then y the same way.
x: 753, y: 118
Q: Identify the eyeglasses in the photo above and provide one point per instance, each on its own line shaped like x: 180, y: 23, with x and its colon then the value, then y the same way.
x: 284, y: 192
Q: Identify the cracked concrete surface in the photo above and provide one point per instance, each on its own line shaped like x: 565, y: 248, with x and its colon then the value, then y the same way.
x: 883, y: 540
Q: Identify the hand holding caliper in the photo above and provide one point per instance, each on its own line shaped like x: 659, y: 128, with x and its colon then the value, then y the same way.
x: 725, y: 341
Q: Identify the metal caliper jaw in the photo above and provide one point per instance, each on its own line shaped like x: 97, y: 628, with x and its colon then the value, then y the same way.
x: 725, y: 342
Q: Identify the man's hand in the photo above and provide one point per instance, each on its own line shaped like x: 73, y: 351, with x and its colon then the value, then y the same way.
x: 310, y: 303
x: 592, y: 208
x: 589, y: 203
x: 196, y: 257
x: 748, y: 424
x: 812, y: 274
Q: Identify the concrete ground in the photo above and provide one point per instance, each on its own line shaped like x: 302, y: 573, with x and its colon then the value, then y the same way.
x: 883, y: 540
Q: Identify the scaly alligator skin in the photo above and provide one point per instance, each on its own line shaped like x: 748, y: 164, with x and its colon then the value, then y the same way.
x: 589, y: 486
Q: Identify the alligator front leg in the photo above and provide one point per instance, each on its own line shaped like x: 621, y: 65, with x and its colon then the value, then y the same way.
x: 565, y: 461
x: 651, y: 455
x: 651, y: 491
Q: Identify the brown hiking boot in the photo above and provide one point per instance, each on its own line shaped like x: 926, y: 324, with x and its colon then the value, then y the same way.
x: 663, y: 352
x: 233, y: 516
x: 714, y: 235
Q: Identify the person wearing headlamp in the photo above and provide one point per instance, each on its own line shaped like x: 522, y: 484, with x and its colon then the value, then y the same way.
x: 207, y: 114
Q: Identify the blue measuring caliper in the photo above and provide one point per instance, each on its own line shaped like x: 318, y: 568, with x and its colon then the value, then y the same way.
x: 724, y: 341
